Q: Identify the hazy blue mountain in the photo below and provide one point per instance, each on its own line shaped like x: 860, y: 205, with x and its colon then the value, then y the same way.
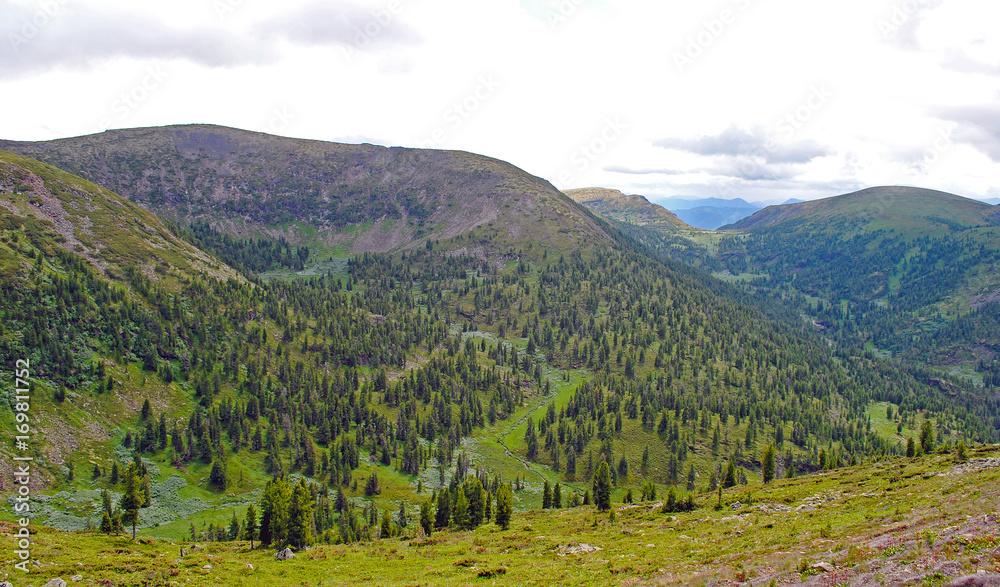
x: 709, y: 213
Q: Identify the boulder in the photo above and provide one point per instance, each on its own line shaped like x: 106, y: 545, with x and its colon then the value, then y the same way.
x: 978, y: 580
x: 822, y: 567
x: 57, y: 582
x: 284, y: 555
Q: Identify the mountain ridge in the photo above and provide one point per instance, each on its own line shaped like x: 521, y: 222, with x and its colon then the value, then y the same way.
x: 356, y: 197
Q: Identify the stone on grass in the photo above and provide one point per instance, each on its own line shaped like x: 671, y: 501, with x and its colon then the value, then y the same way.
x: 283, y: 555
x: 823, y: 567
x: 977, y: 580
x: 57, y: 582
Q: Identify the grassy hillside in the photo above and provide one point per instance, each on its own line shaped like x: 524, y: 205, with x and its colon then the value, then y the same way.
x: 650, y: 224
x: 413, y: 373
x: 922, y: 521
x: 634, y: 209
x: 59, y: 210
x: 337, y: 198
x: 887, y: 267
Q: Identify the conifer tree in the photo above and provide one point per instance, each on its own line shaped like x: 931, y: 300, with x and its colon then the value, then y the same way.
x: 505, y: 506
x: 767, y: 464
x: 426, y: 518
x: 460, y: 517
x: 250, y: 524
x: 602, y: 487
x: 132, y: 499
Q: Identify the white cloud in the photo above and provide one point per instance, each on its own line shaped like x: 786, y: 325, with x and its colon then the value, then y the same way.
x: 736, y: 121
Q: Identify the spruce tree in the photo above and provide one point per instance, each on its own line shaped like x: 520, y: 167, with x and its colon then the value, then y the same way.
x: 602, y: 486
x: 505, y: 506
x: 132, y: 499
x: 250, y: 524
x: 426, y: 518
x: 730, y: 479
x: 767, y: 464
x: 460, y: 517
x: 442, y: 516
x: 300, y: 515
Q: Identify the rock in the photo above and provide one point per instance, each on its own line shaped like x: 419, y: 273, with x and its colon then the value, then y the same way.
x: 737, y: 506
x: 208, y: 567
x: 582, y: 548
x: 76, y: 578
x: 249, y: 567
x: 57, y: 582
x: 977, y: 580
x: 6, y: 584
x: 284, y: 555
x: 822, y: 567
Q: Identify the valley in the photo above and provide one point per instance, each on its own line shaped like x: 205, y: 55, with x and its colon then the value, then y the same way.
x: 212, y: 313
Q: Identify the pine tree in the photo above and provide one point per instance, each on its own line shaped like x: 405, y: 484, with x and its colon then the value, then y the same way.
x: 300, y: 515
x: 476, y: 496
x: 927, y: 437
x: 426, y: 518
x: 234, y: 527
x: 217, y: 477
x: 250, y: 524
x: 274, y: 512
x: 730, y: 479
x: 401, y: 515
x: 505, y: 506
x: 385, y: 528
x: 460, y: 517
x: 146, y: 408
x: 531, y: 440
x: 556, y: 496
x: 132, y: 499
x: 443, y: 513
x: 911, y: 447
x: 546, y: 495
x: 767, y: 464
x: 602, y: 486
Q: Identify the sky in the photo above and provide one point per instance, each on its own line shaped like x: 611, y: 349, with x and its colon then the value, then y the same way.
x: 764, y: 100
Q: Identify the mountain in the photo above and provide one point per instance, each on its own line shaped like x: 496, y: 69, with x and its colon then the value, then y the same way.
x: 492, y: 363
x: 709, y: 213
x: 917, y: 211
x: 353, y: 198
x: 634, y: 209
x: 59, y: 211
x: 888, y: 266
x: 650, y: 224
x: 995, y: 201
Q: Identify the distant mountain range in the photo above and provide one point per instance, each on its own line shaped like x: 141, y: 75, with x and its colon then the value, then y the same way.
x: 711, y: 213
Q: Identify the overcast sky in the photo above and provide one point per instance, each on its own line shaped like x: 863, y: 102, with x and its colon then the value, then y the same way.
x: 760, y: 99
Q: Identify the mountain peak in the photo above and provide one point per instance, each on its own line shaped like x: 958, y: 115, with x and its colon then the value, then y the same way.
x: 354, y: 197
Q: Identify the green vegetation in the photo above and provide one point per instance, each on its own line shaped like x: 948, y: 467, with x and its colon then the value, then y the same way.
x: 429, y: 399
x: 851, y: 519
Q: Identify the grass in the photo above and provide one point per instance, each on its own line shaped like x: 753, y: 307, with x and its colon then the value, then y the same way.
x: 853, y: 522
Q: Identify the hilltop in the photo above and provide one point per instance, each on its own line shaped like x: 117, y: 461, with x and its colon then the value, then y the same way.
x: 634, y: 209
x: 349, y: 198
x: 59, y: 210
x: 899, y: 268
x: 914, y: 211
